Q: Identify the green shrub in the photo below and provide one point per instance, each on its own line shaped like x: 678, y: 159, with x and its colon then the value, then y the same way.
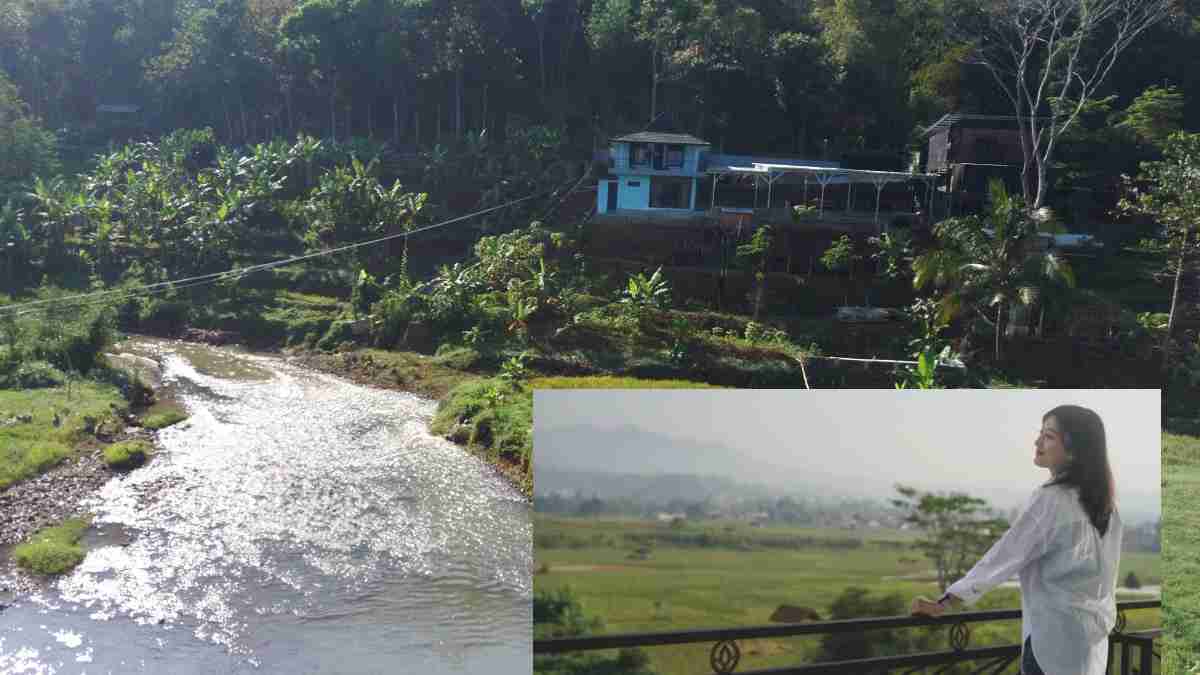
x: 339, y: 332
x: 495, y: 417
x: 457, y: 357
x: 35, y: 375
x: 53, y: 550
x: 367, y: 292
x: 164, y: 419
x: 127, y: 454
x: 393, y: 314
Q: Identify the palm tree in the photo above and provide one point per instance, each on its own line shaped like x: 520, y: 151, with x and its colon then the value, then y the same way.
x: 990, y: 263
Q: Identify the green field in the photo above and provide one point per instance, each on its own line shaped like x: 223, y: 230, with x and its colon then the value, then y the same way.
x: 28, y: 448
x: 741, y: 581
x: 1181, y: 552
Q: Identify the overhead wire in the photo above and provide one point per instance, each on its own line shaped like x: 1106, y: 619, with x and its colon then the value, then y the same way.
x: 86, y: 299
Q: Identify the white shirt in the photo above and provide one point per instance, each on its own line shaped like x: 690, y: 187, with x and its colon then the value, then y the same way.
x: 1068, y: 575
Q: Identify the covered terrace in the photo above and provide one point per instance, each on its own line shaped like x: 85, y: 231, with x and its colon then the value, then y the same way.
x: 819, y: 178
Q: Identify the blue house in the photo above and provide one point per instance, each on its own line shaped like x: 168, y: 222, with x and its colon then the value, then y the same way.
x: 652, y: 170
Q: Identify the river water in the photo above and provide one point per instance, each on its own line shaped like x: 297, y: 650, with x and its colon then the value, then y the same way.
x: 295, y: 523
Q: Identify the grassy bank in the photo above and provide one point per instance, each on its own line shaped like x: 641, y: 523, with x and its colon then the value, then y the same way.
x: 162, y: 415
x: 1181, y: 552
x: 126, y: 455
x: 679, y: 587
x: 30, y: 439
x: 53, y: 550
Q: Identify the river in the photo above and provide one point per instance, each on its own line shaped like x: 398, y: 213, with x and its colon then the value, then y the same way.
x: 295, y: 523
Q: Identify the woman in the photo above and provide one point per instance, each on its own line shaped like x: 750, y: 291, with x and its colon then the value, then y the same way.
x: 1065, y: 546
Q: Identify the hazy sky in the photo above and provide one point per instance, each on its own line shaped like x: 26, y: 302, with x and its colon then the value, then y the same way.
x: 979, y: 441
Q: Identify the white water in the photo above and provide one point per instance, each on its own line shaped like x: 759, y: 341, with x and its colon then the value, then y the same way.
x: 295, y: 523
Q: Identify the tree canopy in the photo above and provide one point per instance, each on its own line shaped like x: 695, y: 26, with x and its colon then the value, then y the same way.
x: 753, y: 74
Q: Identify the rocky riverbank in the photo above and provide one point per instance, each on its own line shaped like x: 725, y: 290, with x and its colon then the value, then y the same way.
x: 49, y: 499
x: 58, y: 493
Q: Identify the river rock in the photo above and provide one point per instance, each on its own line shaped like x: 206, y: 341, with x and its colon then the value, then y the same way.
x: 210, y: 336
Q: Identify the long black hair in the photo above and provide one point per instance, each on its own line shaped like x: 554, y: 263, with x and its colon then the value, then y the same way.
x: 1087, y: 469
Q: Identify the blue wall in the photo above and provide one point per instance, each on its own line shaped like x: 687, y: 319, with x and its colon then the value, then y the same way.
x: 631, y: 196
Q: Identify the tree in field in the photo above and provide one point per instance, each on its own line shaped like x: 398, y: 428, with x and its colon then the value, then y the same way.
x: 988, y: 273
x: 1131, y: 581
x: 1173, y: 202
x: 857, y: 603
x: 1050, y: 57
x: 958, y: 529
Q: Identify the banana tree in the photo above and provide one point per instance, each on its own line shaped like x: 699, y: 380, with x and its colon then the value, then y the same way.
x: 990, y: 272
x: 643, y: 291
x: 53, y: 208
x: 305, y: 150
x: 14, y: 242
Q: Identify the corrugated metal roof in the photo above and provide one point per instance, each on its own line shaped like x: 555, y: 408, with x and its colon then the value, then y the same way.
x: 660, y: 137
x: 951, y: 119
x: 724, y: 162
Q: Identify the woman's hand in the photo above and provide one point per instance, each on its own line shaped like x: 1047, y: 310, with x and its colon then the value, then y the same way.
x: 922, y: 606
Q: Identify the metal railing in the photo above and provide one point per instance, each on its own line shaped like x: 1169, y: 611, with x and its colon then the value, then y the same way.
x: 725, y: 653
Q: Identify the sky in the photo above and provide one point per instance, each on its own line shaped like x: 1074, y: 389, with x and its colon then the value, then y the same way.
x: 862, y: 441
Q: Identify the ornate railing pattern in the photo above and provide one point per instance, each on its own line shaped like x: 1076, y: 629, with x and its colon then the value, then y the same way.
x: 726, y: 653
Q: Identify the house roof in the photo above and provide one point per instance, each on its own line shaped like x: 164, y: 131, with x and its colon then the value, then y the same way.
x: 660, y: 137
x: 970, y: 120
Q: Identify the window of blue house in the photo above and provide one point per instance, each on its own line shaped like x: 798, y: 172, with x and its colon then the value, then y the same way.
x: 639, y: 154
x: 674, y: 156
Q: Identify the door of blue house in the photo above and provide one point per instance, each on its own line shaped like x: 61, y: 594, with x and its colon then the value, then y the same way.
x: 612, y: 195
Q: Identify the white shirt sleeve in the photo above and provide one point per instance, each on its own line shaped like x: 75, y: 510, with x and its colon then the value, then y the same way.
x: 1026, y: 540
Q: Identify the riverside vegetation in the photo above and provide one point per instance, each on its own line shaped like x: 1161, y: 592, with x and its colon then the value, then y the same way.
x: 526, y: 308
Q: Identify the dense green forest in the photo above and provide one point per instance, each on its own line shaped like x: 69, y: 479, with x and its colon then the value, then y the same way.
x: 802, y: 76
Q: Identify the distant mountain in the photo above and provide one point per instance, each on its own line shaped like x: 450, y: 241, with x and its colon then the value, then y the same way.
x: 632, y: 451
x: 642, y: 488
x: 627, y: 461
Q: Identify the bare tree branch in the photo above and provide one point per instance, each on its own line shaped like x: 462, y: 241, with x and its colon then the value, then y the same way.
x: 1033, y: 46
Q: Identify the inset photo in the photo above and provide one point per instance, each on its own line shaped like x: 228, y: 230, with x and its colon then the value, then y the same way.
x: 868, y: 531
